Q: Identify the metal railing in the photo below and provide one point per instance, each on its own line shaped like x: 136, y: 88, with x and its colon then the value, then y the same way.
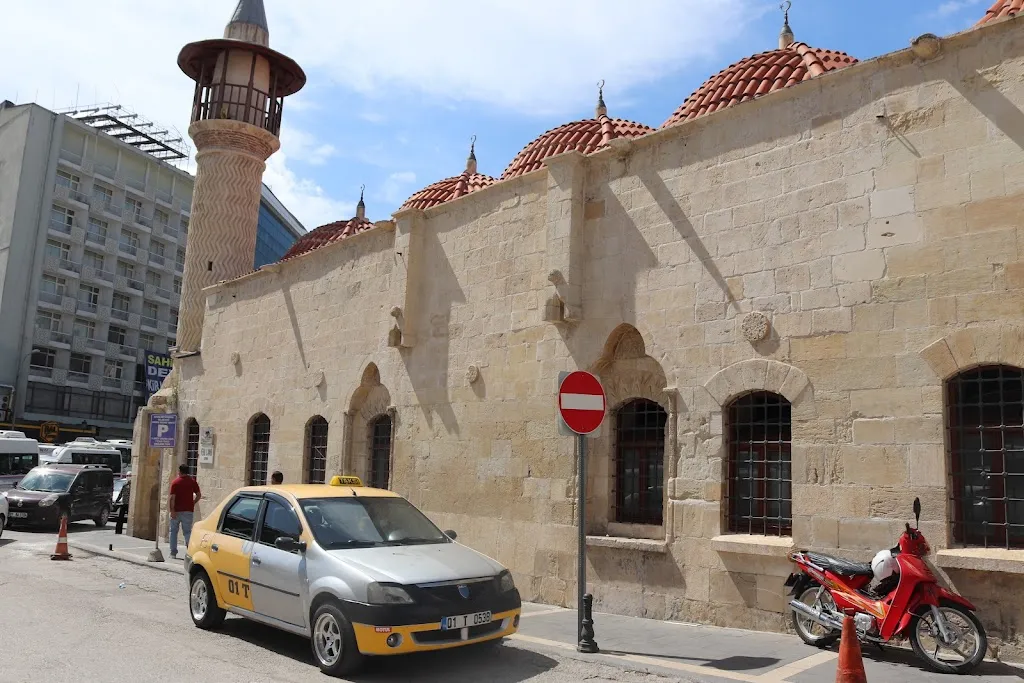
x: 60, y: 226
x: 148, y: 322
x: 51, y: 297
x: 135, y: 183
x: 164, y: 293
x: 87, y: 307
x: 105, y: 170
x: 70, y: 266
x: 104, y: 275
x: 118, y: 314
x: 95, y: 237
x: 73, y: 157
x: 157, y: 258
x: 143, y: 220
x: 165, y: 197
x: 111, y: 208
x: 112, y: 382
x: 128, y: 248
x: 236, y: 102
x: 136, y: 284
x: 179, y: 266
x: 40, y: 371
x: 80, y: 377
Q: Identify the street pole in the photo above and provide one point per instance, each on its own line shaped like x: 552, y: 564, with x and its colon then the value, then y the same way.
x: 584, y: 620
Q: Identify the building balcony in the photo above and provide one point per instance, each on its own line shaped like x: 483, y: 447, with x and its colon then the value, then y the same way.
x: 102, y: 205
x: 71, y: 157
x: 68, y: 194
x: 157, y: 259
x: 61, y: 227
x: 87, y: 307
x: 97, y: 238
x: 179, y: 266
x: 141, y: 220
x: 51, y: 298
x: 126, y: 248
x: 164, y: 198
x: 43, y: 335
x: 40, y: 371
x: 118, y: 314
x: 149, y: 322
x: 136, y: 184
x: 105, y: 170
x: 112, y: 383
x: 78, y: 377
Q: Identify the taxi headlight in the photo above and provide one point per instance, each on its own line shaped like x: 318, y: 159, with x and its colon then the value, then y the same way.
x: 505, y: 582
x: 48, y: 501
x: 387, y: 594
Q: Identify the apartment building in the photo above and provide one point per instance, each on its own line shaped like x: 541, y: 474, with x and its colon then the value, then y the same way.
x: 276, y: 230
x: 93, y: 221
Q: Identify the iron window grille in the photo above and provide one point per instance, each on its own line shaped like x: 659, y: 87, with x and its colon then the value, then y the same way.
x: 639, y: 463
x: 259, y: 450
x: 317, y: 439
x: 985, y: 424
x: 192, y: 446
x: 380, y: 452
x: 760, y: 481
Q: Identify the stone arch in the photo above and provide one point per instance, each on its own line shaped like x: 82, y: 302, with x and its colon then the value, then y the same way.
x: 627, y: 373
x: 758, y: 375
x: 974, y: 346
x: 370, y: 400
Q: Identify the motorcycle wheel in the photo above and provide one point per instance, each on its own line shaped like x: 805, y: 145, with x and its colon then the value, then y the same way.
x: 928, y: 645
x: 810, y: 631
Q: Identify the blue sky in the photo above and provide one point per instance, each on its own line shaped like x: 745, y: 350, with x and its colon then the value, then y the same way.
x: 397, y: 87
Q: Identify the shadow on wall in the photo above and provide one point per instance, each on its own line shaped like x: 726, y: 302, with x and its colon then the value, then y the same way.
x: 1000, y: 601
x: 427, y: 363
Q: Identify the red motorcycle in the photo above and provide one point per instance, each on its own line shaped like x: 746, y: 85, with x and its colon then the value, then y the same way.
x: 905, y: 602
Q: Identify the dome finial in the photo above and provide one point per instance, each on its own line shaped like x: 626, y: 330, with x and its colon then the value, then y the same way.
x: 786, y: 37
x: 602, y: 110
x: 361, y: 206
x: 471, y: 159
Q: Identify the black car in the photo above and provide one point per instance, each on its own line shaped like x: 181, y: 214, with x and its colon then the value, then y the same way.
x: 49, y: 492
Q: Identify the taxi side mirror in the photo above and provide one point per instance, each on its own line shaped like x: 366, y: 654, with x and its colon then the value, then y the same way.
x: 451, y: 534
x: 289, y: 544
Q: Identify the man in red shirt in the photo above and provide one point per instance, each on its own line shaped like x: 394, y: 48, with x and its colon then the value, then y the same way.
x: 185, y: 494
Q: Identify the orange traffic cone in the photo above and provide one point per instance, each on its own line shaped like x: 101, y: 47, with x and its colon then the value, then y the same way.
x: 61, y: 553
x: 851, y: 666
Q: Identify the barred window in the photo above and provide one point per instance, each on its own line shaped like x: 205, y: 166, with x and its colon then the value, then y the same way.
x: 192, y: 446
x: 380, y: 452
x: 760, y: 481
x: 259, y: 449
x: 639, y: 462
x: 985, y: 423
x: 316, y: 455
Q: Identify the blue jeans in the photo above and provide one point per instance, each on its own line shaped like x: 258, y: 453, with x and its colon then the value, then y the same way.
x: 185, y: 520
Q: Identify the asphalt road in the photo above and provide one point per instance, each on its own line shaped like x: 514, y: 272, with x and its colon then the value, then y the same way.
x: 98, y: 619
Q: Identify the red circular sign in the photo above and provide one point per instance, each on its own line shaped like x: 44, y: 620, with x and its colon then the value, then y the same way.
x: 581, y: 402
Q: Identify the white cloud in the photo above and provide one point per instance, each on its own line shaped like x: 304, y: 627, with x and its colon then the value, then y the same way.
x: 397, y: 187
x: 303, y: 196
x: 535, y: 56
x: 951, y: 7
x: 304, y: 147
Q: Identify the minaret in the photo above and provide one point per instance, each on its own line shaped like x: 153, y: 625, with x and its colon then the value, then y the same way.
x: 236, y: 117
x: 786, y: 37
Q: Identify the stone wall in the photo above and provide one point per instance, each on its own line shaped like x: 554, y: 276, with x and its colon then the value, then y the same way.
x: 870, y: 216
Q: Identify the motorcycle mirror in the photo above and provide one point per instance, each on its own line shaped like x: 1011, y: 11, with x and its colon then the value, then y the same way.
x: 917, y: 512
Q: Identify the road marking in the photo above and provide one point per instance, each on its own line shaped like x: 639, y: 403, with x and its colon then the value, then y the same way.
x: 783, y: 673
x: 557, y: 610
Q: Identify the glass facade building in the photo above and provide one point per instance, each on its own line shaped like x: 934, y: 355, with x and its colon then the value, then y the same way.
x: 277, y: 230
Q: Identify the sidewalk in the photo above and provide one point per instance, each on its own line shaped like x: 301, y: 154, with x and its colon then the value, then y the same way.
x: 687, y: 652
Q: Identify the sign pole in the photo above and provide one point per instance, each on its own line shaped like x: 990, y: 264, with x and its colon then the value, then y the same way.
x: 584, y: 601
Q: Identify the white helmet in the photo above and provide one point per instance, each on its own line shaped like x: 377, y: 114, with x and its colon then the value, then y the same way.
x: 884, y: 565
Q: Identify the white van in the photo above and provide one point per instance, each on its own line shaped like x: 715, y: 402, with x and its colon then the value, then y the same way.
x: 86, y: 452
x: 18, y: 455
x: 125, y: 447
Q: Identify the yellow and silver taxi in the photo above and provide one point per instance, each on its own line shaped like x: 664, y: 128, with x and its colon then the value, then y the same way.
x: 360, y: 571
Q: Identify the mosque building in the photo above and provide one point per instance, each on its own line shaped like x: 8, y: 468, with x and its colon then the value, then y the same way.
x: 803, y: 294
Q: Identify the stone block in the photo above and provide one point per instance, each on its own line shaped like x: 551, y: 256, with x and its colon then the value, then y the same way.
x: 919, y: 430
x: 873, y: 317
x: 860, y: 266
x: 824, y: 532
x: 928, y: 465
x: 819, y: 298
x: 873, y: 431
x: 874, y: 465
x: 865, y: 534
x: 832, y: 320
x: 995, y: 214
x: 891, y: 402
x: 899, y: 289
x: 818, y: 347
x: 892, y: 202
x: 792, y: 279
x: 733, y: 588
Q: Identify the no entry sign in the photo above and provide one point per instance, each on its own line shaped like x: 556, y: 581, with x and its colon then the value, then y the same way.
x: 581, y: 402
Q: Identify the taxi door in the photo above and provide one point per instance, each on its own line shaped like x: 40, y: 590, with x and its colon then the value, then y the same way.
x: 231, y: 548
x: 278, y: 576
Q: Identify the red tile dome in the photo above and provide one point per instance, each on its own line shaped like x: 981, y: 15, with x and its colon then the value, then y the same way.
x: 448, y: 189
x: 1002, y: 9
x: 327, y: 234
x: 759, y: 75
x: 584, y: 136
x: 451, y: 188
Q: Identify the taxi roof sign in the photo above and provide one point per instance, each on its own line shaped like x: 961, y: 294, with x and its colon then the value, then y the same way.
x: 338, y: 480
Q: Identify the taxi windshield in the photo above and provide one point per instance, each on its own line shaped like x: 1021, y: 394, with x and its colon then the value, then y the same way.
x: 366, y: 522
x: 46, y: 481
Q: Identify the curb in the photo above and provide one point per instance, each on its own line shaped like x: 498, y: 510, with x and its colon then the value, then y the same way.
x: 103, y: 552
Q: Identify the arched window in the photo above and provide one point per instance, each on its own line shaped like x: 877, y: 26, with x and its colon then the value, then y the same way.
x: 316, y: 450
x: 985, y: 419
x: 640, y: 462
x: 192, y: 445
x: 760, y: 483
x: 259, y: 449
x: 380, y: 452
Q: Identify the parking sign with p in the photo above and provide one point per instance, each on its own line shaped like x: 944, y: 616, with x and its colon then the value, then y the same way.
x: 163, y: 427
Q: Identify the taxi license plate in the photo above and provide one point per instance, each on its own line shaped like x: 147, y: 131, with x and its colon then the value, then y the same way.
x: 19, y: 515
x: 465, y: 620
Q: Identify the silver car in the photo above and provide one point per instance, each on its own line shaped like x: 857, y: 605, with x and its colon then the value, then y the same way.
x: 359, y: 571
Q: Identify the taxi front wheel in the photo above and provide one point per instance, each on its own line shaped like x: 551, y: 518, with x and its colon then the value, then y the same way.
x: 202, y: 603
x: 334, y: 642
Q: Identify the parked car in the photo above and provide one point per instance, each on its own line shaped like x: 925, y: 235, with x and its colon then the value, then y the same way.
x: 86, y: 451
x: 18, y: 455
x: 50, y: 492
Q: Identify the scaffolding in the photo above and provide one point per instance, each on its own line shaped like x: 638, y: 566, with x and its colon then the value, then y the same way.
x: 117, y: 121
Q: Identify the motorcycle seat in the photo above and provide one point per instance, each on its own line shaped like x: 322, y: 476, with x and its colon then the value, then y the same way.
x: 838, y: 565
